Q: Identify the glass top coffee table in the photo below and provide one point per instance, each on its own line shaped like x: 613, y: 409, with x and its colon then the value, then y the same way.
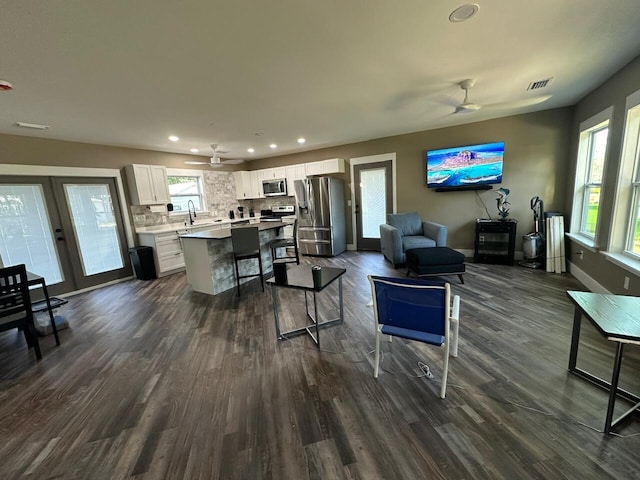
x: 300, y: 277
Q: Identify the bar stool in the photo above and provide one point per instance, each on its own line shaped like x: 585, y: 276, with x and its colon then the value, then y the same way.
x: 274, y: 245
x: 245, y: 242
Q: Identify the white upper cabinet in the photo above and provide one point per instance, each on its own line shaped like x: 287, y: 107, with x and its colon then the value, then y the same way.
x: 274, y: 173
x: 248, y: 184
x: 256, y: 184
x: 325, y: 167
x: 294, y: 172
x: 147, y: 184
x: 243, y: 184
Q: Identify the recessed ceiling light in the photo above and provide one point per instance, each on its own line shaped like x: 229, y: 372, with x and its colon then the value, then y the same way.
x: 464, y: 12
x: 250, y: 150
x: 173, y: 138
x: 35, y: 126
x: 273, y: 145
x: 301, y: 140
x: 194, y: 150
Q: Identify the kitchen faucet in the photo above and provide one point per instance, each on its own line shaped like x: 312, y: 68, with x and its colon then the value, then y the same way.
x: 189, y: 205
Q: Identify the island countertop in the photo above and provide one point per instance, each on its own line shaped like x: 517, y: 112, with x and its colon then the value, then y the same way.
x: 222, y: 233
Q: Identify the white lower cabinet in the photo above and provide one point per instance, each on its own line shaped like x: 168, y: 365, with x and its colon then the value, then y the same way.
x: 168, y: 255
x: 167, y: 251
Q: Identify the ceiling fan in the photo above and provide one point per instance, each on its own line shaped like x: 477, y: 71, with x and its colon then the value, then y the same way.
x: 215, y: 161
x: 467, y: 106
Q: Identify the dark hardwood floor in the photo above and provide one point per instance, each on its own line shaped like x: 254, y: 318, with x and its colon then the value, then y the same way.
x: 154, y: 381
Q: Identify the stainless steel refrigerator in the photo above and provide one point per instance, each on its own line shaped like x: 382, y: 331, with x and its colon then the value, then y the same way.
x: 322, y: 227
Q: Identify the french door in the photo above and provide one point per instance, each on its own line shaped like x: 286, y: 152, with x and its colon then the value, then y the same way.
x: 374, y: 199
x: 68, y: 230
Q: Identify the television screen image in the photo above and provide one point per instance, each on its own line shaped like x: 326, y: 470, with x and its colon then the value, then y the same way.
x: 465, y: 167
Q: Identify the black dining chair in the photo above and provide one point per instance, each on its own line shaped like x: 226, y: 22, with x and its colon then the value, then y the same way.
x: 15, y: 304
x: 286, y: 243
x: 245, y: 242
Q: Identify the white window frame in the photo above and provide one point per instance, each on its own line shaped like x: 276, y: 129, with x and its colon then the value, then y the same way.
x: 627, y: 196
x: 187, y: 172
x: 582, y: 185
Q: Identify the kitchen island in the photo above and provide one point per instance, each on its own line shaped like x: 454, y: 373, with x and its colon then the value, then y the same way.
x: 208, y: 257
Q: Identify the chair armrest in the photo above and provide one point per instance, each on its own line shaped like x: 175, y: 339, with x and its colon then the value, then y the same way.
x: 455, y: 325
x: 391, y: 244
x: 435, y: 232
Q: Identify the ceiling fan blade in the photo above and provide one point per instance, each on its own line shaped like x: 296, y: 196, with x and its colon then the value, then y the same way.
x: 526, y: 102
x: 193, y: 162
x: 233, y: 161
x: 467, y: 108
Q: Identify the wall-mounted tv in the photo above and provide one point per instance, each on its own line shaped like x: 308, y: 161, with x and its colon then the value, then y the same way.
x: 472, y: 167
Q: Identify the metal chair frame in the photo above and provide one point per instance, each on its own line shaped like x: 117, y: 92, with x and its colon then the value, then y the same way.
x: 416, y: 310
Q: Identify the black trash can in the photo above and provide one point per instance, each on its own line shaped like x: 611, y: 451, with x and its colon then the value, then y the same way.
x: 142, y: 261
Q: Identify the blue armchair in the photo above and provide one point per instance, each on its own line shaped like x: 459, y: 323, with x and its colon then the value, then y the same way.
x: 404, y: 231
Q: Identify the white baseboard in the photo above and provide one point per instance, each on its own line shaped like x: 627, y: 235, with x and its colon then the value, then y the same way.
x: 351, y: 246
x: 585, y: 279
x: 95, y: 287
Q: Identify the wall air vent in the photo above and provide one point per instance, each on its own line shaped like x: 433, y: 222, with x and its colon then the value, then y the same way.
x: 539, y: 84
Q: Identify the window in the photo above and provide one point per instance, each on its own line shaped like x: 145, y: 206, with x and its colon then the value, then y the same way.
x: 631, y: 150
x: 185, y: 185
x: 625, y: 231
x: 592, y: 154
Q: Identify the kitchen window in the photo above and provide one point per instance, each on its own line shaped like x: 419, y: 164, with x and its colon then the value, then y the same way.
x: 592, y: 155
x: 185, y: 185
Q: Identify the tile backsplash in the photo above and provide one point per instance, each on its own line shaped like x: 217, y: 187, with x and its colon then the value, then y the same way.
x: 220, y: 193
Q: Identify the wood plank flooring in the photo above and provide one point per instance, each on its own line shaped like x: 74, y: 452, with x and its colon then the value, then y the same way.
x: 153, y: 381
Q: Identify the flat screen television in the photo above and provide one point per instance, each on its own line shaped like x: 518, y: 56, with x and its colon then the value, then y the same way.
x: 472, y: 167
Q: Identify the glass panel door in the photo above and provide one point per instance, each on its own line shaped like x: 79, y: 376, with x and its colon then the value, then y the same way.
x: 373, y: 208
x: 30, y: 230
x: 94, y: 227
x: 374, y: 199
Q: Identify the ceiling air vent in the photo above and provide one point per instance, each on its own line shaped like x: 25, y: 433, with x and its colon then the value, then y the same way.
x: 539, y: 84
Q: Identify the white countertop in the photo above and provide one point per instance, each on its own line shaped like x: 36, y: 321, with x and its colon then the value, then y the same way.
x: 180, y: 227
x: 224, y: 233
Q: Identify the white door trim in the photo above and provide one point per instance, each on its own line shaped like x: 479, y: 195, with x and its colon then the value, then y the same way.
x: 382, y: 157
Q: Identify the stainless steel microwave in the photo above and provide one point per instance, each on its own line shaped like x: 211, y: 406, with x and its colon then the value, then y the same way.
x: 275, y: 187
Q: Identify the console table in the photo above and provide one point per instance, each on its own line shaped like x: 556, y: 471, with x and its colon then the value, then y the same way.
x: 616, y: 318
x: 300, y: 278
x: 495, y: 241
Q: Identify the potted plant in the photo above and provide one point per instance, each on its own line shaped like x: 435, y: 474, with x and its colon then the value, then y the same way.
x: 503, y: 203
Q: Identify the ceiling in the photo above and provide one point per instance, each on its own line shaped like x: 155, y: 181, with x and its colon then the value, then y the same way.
x: 244, y: 73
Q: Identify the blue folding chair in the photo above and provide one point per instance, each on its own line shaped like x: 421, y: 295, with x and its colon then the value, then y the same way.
x: 417, y: 310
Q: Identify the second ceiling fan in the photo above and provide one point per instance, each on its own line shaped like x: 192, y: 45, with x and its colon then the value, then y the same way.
x: 467, y: 106
x: 215, y: 160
